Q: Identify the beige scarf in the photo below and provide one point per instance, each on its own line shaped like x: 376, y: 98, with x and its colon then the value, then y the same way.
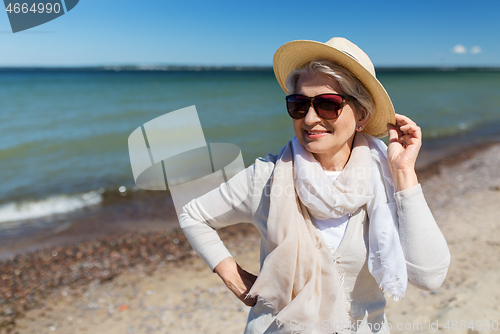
x: 299, y: 279
x: 298, y: 276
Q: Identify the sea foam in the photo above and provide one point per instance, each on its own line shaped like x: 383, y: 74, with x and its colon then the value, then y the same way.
x: 48, y: 206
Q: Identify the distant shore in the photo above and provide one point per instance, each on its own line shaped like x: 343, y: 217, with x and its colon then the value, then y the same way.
x: 240, y: 68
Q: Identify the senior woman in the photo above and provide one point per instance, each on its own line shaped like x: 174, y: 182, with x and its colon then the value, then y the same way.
x: 342, y: 216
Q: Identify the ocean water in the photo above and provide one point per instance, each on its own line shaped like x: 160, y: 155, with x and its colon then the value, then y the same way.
x: 63, y: 134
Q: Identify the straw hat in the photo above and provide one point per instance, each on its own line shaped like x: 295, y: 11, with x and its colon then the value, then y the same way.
x: 339, y: 50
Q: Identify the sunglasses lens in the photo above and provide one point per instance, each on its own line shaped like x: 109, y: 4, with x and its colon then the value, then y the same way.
x: 297, y: 106
x: 328, y: 106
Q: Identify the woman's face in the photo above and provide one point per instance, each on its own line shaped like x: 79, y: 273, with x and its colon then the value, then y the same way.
x: 330, y: 141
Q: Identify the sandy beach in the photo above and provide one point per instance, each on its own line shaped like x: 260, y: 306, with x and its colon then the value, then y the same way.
x: 152, y: 282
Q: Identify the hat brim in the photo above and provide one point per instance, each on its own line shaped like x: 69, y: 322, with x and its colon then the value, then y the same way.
x: 295, y: 54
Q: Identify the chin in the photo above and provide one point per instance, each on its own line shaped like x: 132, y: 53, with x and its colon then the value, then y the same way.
x: 316, y: 147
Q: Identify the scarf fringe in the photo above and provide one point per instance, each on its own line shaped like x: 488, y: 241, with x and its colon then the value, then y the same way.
x: 347, y: 299
x: 393, y: 287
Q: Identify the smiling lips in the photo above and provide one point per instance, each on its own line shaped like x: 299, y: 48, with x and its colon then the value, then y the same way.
x: 316, y: 134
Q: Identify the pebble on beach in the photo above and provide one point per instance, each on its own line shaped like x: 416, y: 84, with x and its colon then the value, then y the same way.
x: 28, y: 279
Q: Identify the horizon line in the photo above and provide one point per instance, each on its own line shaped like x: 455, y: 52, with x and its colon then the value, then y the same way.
x: 194, y: 68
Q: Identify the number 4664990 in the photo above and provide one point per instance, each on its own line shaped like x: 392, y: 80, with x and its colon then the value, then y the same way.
x: 35, y: 8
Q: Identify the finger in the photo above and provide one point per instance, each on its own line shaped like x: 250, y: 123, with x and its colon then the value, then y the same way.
x: 398, y: 128
x: 407, y: 139
x: 249, y: 301
x: 393, y: 133
x: 417, y: 132
x: 414, y: 131
x: 402, y: 119
x: 409, y: 128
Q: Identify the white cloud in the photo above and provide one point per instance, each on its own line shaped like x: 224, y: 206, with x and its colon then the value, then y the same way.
x: 459, y: 48
x: 476, y: 49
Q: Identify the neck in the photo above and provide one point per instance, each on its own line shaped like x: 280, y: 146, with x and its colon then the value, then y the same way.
x: 335, y: 161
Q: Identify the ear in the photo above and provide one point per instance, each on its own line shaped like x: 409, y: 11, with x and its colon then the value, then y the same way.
x: 362, y: 121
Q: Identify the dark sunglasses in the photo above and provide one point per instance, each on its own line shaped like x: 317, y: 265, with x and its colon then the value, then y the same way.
x: 327, y: 106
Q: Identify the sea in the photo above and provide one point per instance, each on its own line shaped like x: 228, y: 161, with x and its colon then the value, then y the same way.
x: 64, y: 132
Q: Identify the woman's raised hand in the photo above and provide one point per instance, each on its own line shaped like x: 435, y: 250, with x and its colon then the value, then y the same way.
x: 405, y: 140
x: 238, y: 280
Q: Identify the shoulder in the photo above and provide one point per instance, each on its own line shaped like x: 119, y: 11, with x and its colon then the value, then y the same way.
x: 270, y: 160
x: 264, y: 167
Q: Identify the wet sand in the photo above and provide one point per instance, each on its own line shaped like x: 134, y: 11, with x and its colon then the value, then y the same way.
x: 151, y: 282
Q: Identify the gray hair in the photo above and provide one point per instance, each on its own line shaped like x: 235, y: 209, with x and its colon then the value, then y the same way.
x: 348, y: 82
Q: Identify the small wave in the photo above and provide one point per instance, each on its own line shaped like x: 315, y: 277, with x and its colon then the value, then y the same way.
x: 49, y: 206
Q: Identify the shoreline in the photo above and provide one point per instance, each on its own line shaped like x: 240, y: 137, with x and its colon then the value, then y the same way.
x: 154, y: 211
x: 92, y: 254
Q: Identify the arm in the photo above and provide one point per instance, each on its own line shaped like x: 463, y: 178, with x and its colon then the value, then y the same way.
x: 426, y: 252
x: 425, y: 248
x: 227, y: 205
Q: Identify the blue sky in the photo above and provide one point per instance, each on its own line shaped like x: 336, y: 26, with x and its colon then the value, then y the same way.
x: 392, y: 33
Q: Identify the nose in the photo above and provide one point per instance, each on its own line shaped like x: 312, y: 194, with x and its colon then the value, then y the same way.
x: 311, y: 116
